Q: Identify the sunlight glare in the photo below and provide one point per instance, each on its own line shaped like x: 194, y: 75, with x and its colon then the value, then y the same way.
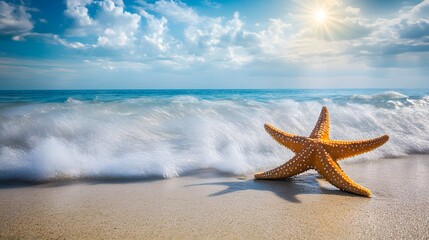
x: 320, y: 15
x: 323, y: 18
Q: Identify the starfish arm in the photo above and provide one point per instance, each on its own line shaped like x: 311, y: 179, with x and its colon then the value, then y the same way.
x: 330, y: 170
x: 344, y: 149
x: 298, y: 164
x: 321, y: 130
x: 293, y: 142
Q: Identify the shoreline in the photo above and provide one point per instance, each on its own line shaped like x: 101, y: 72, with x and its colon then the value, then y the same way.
x: 207, y: 205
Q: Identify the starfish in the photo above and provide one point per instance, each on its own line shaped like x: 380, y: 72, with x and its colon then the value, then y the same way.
x: 320, y: 153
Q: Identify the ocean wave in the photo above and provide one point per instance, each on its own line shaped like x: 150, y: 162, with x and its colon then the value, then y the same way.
x: 388, y: 95
x: 167, y: 137
x: 73, y: 101
x: 388, y: 99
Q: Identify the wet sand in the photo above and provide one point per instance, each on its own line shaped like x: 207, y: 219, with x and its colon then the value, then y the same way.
x: 206, y: 205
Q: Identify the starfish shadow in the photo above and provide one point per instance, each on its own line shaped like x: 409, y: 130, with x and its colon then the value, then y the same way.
x: 287, y: 189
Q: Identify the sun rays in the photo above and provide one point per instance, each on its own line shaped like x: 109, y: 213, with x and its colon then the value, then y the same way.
x: 321, y: 17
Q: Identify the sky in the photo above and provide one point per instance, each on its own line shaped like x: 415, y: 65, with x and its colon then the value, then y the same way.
x: 159, y: 44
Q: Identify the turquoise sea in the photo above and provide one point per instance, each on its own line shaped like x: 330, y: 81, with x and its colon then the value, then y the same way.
x: 56, y: 135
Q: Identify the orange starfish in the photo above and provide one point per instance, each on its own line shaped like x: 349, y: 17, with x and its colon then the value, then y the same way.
x: 320, y: 153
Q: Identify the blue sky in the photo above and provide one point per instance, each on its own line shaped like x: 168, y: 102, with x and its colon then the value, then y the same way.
x: 103, y: 44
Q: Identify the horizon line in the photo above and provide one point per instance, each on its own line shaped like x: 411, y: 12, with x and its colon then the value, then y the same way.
x: 164, y: 89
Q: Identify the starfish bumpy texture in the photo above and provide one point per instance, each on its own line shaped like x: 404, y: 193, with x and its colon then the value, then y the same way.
x: 320, y: 153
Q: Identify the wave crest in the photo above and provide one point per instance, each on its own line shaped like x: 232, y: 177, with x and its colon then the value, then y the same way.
x: 168, y: 137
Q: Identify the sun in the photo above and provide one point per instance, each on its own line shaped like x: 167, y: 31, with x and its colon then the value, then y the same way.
x: 320, y: 16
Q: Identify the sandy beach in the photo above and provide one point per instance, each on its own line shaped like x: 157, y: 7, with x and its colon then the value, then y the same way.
x: 207, y: 205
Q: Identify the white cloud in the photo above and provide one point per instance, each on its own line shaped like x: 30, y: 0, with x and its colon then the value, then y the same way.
x: 156, y: 33
x: 50, y: 38
x: 200, y: 32
x: 101, y: 62
x: 205, y: 39
x: 272, y: 43
x: 108, y: 64
x: 238, y: 56
x: 112, y: 25
x: 406, y: 32
x: 212, y: 4
x: 352, y: 10
x: 214, y: 32
x: 420, y: 10
x: 73, y: 45
x: 175, y: 11
x: 14, y: 20
x: 119, y: 26
x: 414, y: 23
x: 77, y: 10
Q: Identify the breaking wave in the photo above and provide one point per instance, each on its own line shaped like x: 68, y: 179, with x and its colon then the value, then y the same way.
x: 169, y: 136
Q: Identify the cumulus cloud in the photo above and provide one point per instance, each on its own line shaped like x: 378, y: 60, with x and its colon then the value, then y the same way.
x: 212, y: 40
x: 14, y: 19
x: 219, y: 40
x: 214, y: 32
x: 112, y: 25
x: 77, y: 10
x: 156, y: 33
x: 199, y: 30
x: 205, y: 39
x: 119, y: 26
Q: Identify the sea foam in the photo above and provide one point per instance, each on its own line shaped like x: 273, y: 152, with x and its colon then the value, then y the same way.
x: 170, y: 136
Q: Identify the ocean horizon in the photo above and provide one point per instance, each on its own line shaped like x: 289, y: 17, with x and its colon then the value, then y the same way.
x: 49, y: 135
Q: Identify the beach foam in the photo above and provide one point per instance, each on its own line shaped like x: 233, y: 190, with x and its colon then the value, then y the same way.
x: 169, y: 136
